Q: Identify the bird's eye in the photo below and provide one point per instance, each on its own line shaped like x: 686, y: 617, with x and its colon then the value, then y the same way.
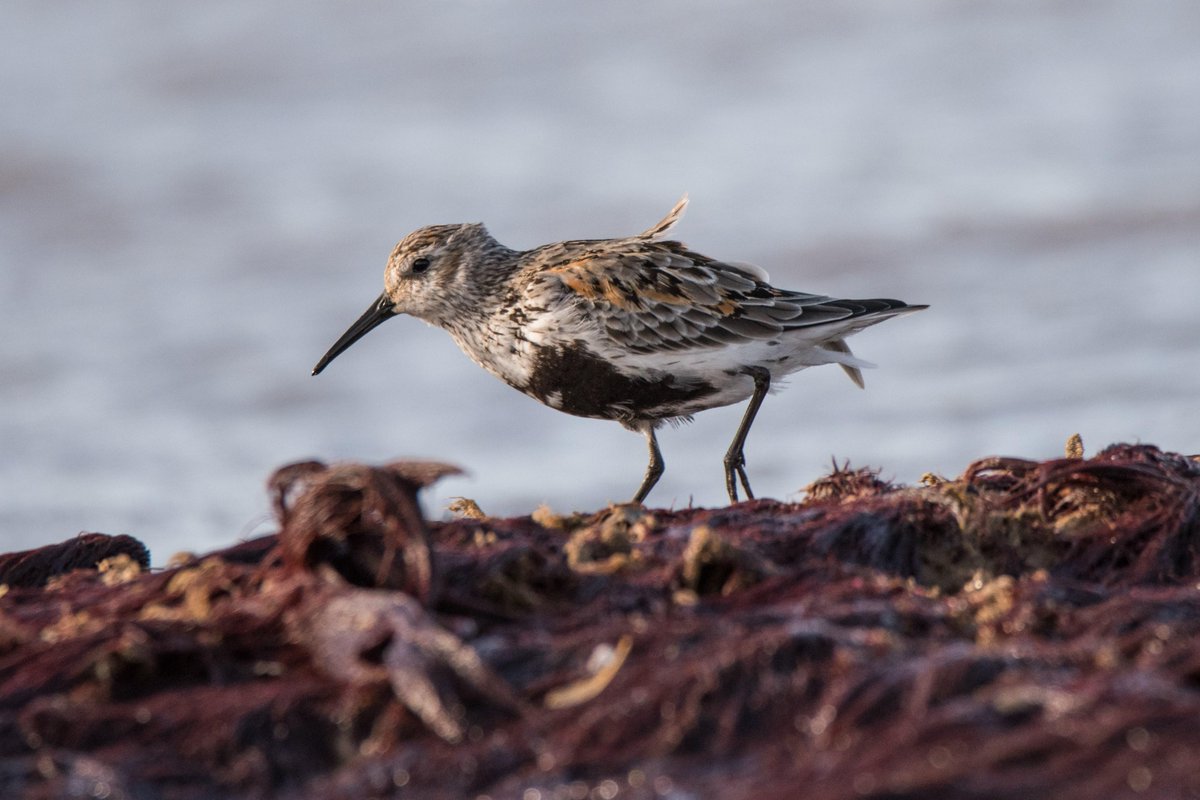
x: 419, y: 265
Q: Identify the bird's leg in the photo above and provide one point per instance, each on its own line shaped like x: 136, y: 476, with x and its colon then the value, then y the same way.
x: 654, y: 469
x: 735, y: 459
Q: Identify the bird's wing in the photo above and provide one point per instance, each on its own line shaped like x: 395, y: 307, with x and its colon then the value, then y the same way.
x: 650, y: 296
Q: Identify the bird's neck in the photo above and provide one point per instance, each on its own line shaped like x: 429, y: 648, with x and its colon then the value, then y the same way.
x: 494, y: 342
x: 480, y: 296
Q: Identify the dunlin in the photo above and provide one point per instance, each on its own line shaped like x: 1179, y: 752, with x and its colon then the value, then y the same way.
x: 637, y: 330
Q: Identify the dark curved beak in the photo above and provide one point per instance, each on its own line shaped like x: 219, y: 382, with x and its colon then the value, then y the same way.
x: 381, y: 310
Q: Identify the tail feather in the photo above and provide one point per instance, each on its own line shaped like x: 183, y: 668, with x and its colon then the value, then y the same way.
x: 840, y: 346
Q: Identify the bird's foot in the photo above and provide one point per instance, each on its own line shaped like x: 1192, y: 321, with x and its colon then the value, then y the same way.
x: 735, y: 470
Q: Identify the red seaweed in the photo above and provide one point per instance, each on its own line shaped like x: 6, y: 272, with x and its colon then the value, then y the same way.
x: 1030, y: 629
x: 35, y: 567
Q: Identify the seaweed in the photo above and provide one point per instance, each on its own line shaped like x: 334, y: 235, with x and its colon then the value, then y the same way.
x: 1028, y: 629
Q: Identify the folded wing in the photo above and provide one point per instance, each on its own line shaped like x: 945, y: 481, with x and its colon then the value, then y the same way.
x: 660, y: 296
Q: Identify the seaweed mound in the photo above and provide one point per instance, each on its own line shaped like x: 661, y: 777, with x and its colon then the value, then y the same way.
x: 1030, y: 629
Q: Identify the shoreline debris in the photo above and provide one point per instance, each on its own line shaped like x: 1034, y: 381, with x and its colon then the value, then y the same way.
x: 1028, y: 629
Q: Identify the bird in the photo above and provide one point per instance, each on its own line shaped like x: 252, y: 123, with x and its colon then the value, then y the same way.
x: 640, y: 330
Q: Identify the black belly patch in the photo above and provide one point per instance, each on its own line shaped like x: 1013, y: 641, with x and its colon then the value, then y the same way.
x: 586, y: 385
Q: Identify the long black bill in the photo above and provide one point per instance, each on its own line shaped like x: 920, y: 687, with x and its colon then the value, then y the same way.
x: 381, y: 310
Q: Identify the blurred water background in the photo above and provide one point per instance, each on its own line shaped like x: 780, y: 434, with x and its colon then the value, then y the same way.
x: 197, y: 199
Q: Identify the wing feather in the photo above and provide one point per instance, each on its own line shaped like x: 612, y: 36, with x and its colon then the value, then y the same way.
x: 660, y: 228
x: 649, y: 295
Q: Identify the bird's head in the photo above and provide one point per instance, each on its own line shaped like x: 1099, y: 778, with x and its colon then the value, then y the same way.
x: 430, y: 275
